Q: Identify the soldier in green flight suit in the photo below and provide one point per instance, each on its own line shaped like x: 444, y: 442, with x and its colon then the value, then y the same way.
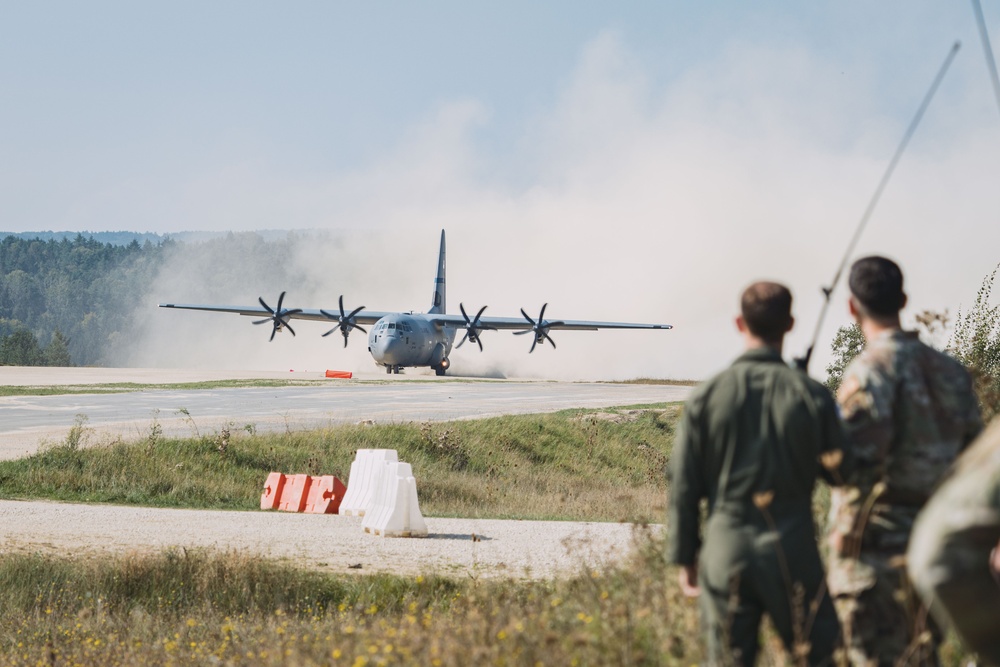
x: 908, y: 410
x: 954, y: 551
x: 752, y: 441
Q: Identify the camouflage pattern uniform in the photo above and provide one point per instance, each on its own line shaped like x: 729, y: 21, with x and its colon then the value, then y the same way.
x: 909, y: 411
x: 750, y: 440
x: 949, y: 554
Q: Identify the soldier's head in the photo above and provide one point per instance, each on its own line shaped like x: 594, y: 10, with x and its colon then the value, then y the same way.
x: 876, y: 290
x: 766, y: 313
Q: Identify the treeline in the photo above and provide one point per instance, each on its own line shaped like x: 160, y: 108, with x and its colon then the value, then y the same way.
x: 78, y: 301
x: 67, y: 302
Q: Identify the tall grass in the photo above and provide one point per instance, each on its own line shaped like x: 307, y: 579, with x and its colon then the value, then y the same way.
x: 202, y: 608
x: 575, y: 464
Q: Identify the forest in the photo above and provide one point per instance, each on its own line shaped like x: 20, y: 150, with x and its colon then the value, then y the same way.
x: 64, y: 302
x: 76, y: 301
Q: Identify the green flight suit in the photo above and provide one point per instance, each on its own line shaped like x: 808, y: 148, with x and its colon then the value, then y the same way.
x: 949, y: 553
x: 750, y: 441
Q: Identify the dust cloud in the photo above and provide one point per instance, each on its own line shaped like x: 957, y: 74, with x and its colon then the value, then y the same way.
x: 623, y: 200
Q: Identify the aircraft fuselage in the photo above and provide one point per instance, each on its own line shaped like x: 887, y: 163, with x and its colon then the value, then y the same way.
x: 410, y: 339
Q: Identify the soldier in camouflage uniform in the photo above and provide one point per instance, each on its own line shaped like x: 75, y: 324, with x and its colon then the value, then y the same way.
x: 751, y: 440
x: 952, y: 558
x: 909, y: 411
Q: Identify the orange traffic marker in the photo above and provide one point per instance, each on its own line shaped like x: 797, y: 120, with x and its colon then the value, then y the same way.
x: 293, y: 498
x: 302, y: 493
x: 325, y: 494
x: 341, y: 375
x: 273, y: 487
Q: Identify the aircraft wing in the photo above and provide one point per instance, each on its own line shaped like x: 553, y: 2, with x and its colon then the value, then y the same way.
x: 521, y: 324
x: 362, y: 317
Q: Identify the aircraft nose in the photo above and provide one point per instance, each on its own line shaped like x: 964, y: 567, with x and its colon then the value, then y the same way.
x: 392, y: 347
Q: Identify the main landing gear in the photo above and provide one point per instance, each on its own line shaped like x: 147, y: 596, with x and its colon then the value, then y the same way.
x: 390, y: 369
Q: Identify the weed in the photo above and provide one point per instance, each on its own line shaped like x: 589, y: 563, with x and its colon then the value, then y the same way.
x: 190, y: 420
x: 222, y: 440
x: 155, y: 432
x: 78, y: 432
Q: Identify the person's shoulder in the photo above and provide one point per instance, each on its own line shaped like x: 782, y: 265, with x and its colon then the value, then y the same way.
x: 714, y: 388
x: 707, y: 387
x: 944, y: 361
x: 875, y: 366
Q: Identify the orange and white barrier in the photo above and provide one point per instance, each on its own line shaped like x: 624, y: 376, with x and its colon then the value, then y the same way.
x: 365, y: 469
x: 396, y: 511
x: 325, y: 495
x: 302, y: 493
x: 273, y: 488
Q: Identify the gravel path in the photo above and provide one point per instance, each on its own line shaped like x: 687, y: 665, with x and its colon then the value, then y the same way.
x: 520, y: 549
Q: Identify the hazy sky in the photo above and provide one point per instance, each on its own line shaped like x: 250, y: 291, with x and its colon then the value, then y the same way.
x: 636, y: 161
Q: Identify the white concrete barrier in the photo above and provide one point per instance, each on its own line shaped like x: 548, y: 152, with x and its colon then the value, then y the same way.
x: 396, y: 512
x: 365, y: 468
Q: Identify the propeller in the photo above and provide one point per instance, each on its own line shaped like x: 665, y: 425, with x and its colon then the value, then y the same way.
x: 473, y: 328
x: 345, y: 321
x: 279, y: 316
x: 539, y: 328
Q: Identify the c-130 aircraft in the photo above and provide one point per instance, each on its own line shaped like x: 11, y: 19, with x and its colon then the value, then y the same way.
x: 401, y: 340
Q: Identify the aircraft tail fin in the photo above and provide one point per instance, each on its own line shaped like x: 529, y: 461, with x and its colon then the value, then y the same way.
x: 438, y: 303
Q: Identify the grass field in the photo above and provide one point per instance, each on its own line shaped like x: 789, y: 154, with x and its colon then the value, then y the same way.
x: 585, y: 465
x: 185, y: 607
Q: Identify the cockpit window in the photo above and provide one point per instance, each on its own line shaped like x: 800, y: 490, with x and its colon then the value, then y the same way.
x: 392, y: 325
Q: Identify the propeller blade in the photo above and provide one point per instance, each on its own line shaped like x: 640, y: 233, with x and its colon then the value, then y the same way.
x: 527, y: 317
x: 289, y: 327
x: 472, y: 327
x: 278, y: 317
x: 534, y: 342
x: 549, y: 338
x: 345, y: 322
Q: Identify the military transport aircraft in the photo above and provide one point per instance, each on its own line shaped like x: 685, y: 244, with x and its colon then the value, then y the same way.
x: 399, y: 340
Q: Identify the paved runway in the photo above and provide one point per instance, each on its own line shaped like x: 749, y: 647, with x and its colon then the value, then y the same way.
x: 30, y: 420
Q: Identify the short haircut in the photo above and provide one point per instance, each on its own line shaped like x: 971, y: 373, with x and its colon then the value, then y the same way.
x: 877, y: 285
x: 767, y: 310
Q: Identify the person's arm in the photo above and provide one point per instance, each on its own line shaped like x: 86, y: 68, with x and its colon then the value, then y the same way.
x: 836, y: 455
x: 865, y: 400
x: 686, y: 491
